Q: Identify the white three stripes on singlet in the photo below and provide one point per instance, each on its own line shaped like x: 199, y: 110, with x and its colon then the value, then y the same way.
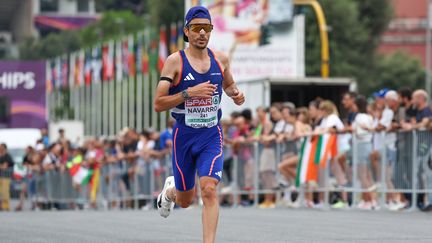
x: 189, y: 77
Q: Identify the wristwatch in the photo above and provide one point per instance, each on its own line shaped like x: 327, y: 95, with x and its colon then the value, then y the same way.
x: 185, y: 94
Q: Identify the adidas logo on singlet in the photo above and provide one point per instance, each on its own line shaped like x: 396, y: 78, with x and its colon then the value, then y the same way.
x: 219, y: 173
x: 189, y: 77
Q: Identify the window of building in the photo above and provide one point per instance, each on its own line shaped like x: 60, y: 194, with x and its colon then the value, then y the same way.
x: 83, y: 6
x: 49, y: 5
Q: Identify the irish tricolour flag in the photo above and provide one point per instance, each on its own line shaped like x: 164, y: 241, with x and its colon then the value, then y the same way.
x: 80, y: 175
x: 314, y: 152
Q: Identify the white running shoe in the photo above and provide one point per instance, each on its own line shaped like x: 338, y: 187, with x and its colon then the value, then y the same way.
x: 363, y: 205
x: 397, y: 206
x: 164, y: 205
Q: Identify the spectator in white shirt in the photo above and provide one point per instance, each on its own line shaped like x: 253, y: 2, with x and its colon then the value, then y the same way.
x: 362, y: 127
x: 331, y: 123
x: 387, y: 126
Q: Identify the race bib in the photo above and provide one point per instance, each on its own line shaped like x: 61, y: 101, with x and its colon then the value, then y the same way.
x: 202, y: 112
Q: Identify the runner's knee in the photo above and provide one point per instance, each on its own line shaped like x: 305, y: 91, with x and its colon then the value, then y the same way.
x: 208, y: 192
x: 184, y: 202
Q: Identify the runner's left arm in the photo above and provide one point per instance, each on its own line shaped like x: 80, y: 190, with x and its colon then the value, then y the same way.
x: 229, y: 85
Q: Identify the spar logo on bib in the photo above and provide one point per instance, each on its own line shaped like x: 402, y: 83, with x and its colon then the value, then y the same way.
x: 203, y: 102
x: 199, y: 102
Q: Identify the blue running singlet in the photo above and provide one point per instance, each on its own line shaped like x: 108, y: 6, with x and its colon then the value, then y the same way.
x: 197, y: 135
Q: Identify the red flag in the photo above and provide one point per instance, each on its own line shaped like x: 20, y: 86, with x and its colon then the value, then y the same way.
x: 138, y: 52
x: 131, y: 56
x: 74, y: 169
x: 108, y: 61
x: 162, y: 48
x: 105, y: 62
x: 87, y: 68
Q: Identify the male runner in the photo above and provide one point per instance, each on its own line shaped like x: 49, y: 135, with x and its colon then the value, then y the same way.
x: 191, y: 86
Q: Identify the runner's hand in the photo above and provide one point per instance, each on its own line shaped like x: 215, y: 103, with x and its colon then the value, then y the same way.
x: 202, y: 90
x: 238, y: 97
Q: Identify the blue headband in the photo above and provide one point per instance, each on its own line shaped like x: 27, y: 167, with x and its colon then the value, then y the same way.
x: 195, y: 13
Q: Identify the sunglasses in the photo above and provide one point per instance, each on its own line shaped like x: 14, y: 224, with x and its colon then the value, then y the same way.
x: 198, y: 27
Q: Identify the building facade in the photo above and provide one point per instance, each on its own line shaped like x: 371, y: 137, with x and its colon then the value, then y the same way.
x: 34, y: 18
x: 407, y: 29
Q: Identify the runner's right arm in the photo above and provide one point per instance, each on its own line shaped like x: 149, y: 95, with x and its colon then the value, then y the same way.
x: 163, y: 101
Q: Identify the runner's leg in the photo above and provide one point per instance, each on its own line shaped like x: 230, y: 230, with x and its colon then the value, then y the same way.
x: 210, y: 214
x: 210, y: 166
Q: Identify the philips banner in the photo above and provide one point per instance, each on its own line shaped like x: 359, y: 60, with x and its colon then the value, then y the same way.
x: 22, y: 94
x: 263, y: 38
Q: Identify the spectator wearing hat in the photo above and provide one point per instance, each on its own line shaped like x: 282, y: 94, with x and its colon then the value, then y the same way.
x: 380, y: 97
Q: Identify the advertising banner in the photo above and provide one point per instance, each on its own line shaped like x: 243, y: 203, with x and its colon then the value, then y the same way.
x: 263, y: 38
x: 22, y: 94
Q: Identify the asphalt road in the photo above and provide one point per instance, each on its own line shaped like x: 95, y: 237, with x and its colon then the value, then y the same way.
x: 235, y: 225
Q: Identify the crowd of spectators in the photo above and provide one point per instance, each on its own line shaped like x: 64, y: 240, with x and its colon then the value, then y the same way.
x: 376, y: 128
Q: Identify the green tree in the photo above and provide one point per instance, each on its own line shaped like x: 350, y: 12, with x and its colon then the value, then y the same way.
x: 111, y: 25
x: 394, y: 71
x: 348, y: 39
x: 164, y: 12
x: 355, y: 28
x: 374, y: 16
x: 139, y: 7
x: 52, y: 45
x: 161, y: 12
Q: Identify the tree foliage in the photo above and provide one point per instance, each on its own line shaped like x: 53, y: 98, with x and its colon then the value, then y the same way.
x: 396, y: 70
x: 161, y: 12
x: 165, y: 12
x: 50, y: 46
x: 119, y: 17
x: 139, y: 7
x: 111, y: 25
x: 355, y: 29
x: 346, y: 38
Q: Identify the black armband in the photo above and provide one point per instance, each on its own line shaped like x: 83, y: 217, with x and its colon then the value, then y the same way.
x: 166, y: 79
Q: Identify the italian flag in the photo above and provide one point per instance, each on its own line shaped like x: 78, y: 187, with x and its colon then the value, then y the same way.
x: 19, y: 171
x: 80, y: 175
x: 314, y: 152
